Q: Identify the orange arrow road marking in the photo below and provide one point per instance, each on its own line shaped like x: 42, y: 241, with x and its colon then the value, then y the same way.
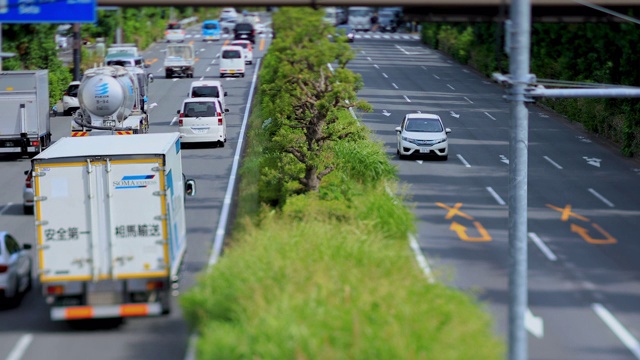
x: 226, y: 42
x: 461, y: 231
x: 262, y: 44
x: 454, y: 210
x: 585, y: 235
x: 567, y: 213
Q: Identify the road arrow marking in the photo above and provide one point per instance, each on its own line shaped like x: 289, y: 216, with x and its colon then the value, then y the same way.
x: 461, y: 231
x: 584, y: 233
x: 592, y: 161
x: 454, y: 114
x: 152, y: 105
x: 385, y: 113
x: 583, y: 139
x: 534, y: 324
x: 504, y: 159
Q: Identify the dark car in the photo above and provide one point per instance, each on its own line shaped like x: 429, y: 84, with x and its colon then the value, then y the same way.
x: 346, y: 30
x: 244, y: 31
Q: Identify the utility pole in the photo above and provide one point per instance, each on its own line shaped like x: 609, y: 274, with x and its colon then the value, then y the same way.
x: 77, y: 51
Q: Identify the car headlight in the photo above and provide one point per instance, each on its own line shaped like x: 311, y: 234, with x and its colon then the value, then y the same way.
x: 407, y: 139
x: 438, y: 141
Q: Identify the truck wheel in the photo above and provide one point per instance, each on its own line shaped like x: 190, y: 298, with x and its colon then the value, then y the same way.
x: 168, y: 75
x: 27, y: 210
x: 221, y: 76
x: 66, y: 112
x: 242, y: 75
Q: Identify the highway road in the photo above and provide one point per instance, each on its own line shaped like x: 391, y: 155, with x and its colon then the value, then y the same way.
x: 583, y: 203
x: 26, y: 333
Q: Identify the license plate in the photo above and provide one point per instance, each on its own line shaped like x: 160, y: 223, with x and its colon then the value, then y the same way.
x: 109, y: 123
x: 232, y: 71
x: 424, y: 150
x: 8, y: 144
x: 199, y: 131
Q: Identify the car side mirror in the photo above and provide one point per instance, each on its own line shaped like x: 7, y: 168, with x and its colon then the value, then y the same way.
x: 226, y: 110
x: 178, y: 112
x: 225, y: 93
x: 190, y: 187
x: 447, y: 130
x: 398, y: 129
x: 26, y: 172
x: 26, y: 246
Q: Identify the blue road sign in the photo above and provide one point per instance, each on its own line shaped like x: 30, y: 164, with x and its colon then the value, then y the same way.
x: 47, y: 11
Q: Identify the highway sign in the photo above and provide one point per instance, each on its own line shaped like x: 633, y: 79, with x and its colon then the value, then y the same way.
x: 47, y: 11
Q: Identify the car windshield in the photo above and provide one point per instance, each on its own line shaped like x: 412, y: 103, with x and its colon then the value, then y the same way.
x: 231, y: 54
x: 243, y: 45
x: 244, y: 27
x: 124, y: 63
x: 423, y: 125
x: 200, y: 109
x: 205, y: 91
x: 210, y: 26
x: 359, y: 13
x: 346, y: 28
x: 73, y: 90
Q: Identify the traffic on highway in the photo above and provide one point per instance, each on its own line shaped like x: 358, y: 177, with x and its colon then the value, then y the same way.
x: 444, y: 126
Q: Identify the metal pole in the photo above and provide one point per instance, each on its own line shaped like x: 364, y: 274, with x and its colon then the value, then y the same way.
x: 77, y: 51
x: 520, y: 14
x: 0, y: 46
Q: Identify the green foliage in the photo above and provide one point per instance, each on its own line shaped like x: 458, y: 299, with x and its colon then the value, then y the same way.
x: 294, y: 289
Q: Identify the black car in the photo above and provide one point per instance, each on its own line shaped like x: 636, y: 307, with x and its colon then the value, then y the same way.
x: 244, y: 31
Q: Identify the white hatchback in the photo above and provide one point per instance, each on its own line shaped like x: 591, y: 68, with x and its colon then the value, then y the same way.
x: 422, y: 134
x: 247, y: 49
x: 207, y: 88
x: 15, y: 269
x: 202, y: 120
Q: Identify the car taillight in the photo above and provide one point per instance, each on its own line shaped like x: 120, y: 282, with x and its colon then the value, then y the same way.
x: 28, y: 182
x: 155, y: 285
x: 55, y: 289
x: 166, y: 32
x: 219, y: 119
x: 3, y: 268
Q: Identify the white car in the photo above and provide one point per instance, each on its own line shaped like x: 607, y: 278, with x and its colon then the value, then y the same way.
x: 202, y: 120
x: 15, y: 269
x: 70, y: 98
x: 247, y: 49
x: 422, y: 134
x: 27, y: 193
x: 207, y: 88
x: 174, y: 32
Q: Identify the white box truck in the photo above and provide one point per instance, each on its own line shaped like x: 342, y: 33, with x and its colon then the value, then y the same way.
x: 110, y: 224
x: 24, y: 111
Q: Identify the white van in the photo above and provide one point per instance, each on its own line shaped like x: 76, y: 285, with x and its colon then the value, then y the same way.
x: 360, y: 17
x: 207, y: 88
x: 232, y: 61
x: 202, y: 120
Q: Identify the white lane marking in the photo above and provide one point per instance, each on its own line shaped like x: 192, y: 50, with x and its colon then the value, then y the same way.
x: 420, y: 161
x: 504, y: 159
x: 21, y: 347
x: 466, y: 98
x: 496, y: 196
x: 385, y: 75
x: 363, y: 53
x: 368, y: 58
x: 385, y: 113
x: 489, y: 115
x: 618, y: 329
x: 160, y: 69
x: 424, y: 67
x: 465, y: 70
x: 422, y: 260
x: 173, y: 121
x: 450, y: 87
x: 201, y: 77
x: 203, y: 49
x: 218, y: 241
x: 191, y: 347
x: 175, y: 79
x: 534, y: 324
x: 208, y: 68
x: 376, y: 66
x: 5, y: 208
x: 436, y: 76
x: 602, y: 198
x: 543, y: 247
x: 454, y: 114
x: 588, y: 285
x: 394, y: 85
x: 592, y: 161
x: 552, y: 162
x: 466, y: 164
x: 406, y: 98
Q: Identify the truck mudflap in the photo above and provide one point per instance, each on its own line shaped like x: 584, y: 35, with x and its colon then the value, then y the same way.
x: 105, y: 311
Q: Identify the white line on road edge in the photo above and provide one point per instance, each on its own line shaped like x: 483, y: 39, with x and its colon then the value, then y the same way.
x: 552, y: 162
x: 618, y: 329
x: 489, y: 115
x: 224, y: 214
x: 394, y: 85
x: 543, y: 247
x: 191, y: 347
x: 21, y: 347
x: 466, y: 98
x: 422, y: 260
x: 5, y: 208
x: 602, y: 198
x: 466, y: 164
x: 368, y: 58
x: 495, y: 195
x: 406, y: 98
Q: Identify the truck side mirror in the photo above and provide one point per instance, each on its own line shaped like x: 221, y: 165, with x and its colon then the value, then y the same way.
x: 178, y: 112
x: 225, y: 93
x: 226, y: 110
x: 190, y: 187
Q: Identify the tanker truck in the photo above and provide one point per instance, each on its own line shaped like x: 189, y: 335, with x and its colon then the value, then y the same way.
x: 112, y: 101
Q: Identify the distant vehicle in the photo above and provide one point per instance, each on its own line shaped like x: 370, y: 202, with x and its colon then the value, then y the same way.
x: 202, y: 119
x: 232, y: 61
x: 25, y: 125
x: 110, y: 226
x: 207, y: 88
x: 129, y: 48
x: 227, y: 25
x: 70, y: 98
x: 335, y: 15
x: 210, y: 30
x: 27, y: 193
x: 346, y: 30
x: 228, y: 12
x: 360, y: 17
x: 247, y: 49
x: 387, y: 21
x: 244, y: 31
x: 422, y: 134
x: 179, y: 60
x: 63, y: 32
x: 251, y: 18
x: 174, y: 32
x: 15, y: 270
